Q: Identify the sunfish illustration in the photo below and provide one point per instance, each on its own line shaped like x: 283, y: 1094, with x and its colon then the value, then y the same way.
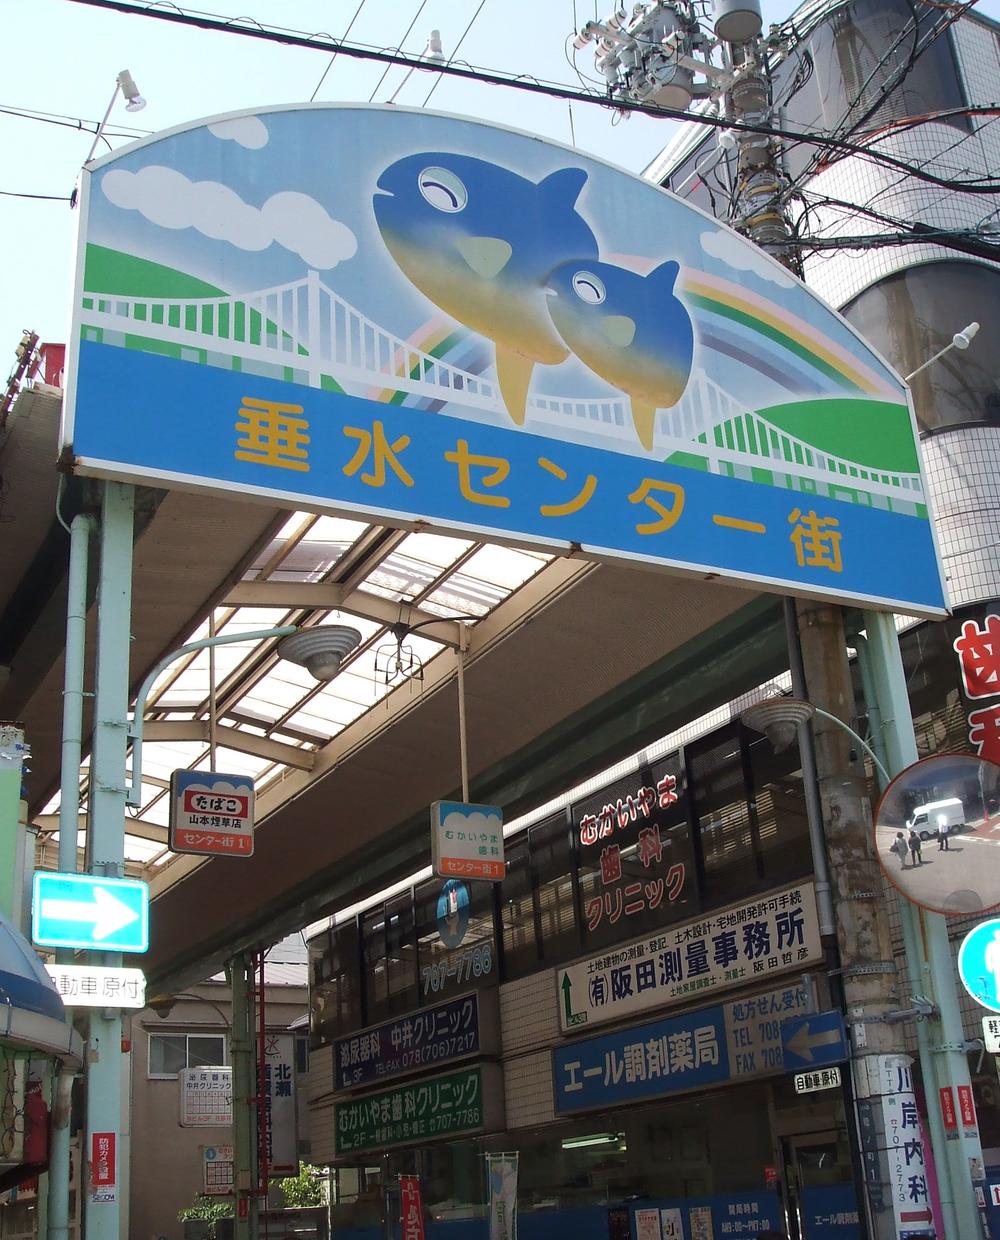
x: 479, y: 241
x: 629, y: 329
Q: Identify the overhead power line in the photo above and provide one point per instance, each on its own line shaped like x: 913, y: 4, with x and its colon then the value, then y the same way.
x: 325, y: 43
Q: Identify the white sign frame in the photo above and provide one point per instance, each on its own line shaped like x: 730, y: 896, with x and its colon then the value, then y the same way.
x: 103, y: 986
x: 467, y: 841
x: 193, y: 1085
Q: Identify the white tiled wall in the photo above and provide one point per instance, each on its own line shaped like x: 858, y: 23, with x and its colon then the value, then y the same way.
x: 963, y: 472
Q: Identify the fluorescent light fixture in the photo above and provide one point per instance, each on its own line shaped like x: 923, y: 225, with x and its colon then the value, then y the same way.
x: 594, y: 1138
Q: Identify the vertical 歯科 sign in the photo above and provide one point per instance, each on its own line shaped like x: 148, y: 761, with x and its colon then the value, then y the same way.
x: 501, y: 1172
x: 411, y: 1210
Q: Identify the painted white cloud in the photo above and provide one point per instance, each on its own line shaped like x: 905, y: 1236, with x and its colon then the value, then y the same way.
x: 248, y: 131
x: 477, y: 820
x: 169, y: 199
x: 744, y: 256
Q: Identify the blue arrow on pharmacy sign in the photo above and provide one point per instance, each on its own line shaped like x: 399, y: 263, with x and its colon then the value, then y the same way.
x: 814, y: 1040
x: 82, y: 910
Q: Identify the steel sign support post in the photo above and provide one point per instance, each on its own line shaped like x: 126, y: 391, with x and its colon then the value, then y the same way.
x: 943, y: 1054
x: 69, y: 810
x: 241, y: 1049
x: 106, y: 845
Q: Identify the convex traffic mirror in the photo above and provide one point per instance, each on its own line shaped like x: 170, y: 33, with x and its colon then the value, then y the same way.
x: 937, y: 833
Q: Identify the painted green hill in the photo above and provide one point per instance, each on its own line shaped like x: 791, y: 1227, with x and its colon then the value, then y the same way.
x: 872, y: 434
x: 111, y: 271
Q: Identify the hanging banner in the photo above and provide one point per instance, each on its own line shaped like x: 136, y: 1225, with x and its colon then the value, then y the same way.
x: 411, y: 1209
x: 484, y: 333
x: 501, y: 1172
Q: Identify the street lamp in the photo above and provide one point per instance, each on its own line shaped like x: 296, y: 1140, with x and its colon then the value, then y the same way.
x: 780, y: 719
x: 960, y: 340
x: 320, y: 649
x: 134, y: 102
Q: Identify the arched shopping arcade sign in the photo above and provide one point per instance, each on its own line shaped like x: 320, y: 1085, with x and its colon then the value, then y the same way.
x: 414, y: 317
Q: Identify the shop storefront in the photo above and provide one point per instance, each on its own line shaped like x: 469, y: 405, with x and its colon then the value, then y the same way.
x: 615, y: 1007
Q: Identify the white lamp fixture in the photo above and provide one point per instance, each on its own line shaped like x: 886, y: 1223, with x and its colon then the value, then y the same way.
x: 134, y: 102
x: 321, y: 649
x: 960, y: 340
x: 779, y: 719
x: 434, y: 51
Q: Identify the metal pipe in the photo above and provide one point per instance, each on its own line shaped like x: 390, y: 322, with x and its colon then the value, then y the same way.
x: 463, y: 746
x: 810, y: 784
x: 69, y: 816
x: 134, y: 795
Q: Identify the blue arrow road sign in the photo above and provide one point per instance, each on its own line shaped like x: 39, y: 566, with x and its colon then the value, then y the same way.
x: 812, y: 1041
x: 81, y: 910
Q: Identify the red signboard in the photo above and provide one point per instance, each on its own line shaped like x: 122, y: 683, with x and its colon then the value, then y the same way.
x: 411, y: 1210
x: 948, y: 1109
x: 103, y: 1173
x: 966, y: 1106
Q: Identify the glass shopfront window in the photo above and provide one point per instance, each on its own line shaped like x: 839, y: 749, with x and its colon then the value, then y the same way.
x: 456, y: 941
x: 517, y: 914
x: 335, y: 984
x: 552, y: 861
x: 912, y: 314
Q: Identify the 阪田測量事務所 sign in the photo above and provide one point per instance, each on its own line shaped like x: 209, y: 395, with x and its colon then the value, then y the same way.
x: 766, y: 936
x: 490, y: 334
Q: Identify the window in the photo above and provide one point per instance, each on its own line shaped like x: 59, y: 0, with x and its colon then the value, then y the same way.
x: 725, y: 827
x: 912, y: 314
x: 552, y: 861
x: 335, y: 991
x: 517, y: 914
x: 170, y: 1053
x: 456, y: 945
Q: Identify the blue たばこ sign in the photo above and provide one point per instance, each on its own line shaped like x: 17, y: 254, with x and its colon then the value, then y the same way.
x: 81, y: 910
x: 428, y: 1038
x: 979, y: 963
x: 489, y: 333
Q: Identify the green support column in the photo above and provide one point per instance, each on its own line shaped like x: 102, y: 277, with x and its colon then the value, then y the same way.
x: 12, y: 754
x: 942, y: 1041
x: 106, y: 838
x: 242, y: 1046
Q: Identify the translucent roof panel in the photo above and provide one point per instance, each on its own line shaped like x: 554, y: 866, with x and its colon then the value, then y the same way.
x: 274, y: 703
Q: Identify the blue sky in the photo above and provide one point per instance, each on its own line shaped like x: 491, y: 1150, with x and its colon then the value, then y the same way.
x: 66, y: 61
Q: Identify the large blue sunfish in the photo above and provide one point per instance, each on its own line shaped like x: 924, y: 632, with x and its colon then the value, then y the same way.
x: 479, y: 241
x: 631, y: 330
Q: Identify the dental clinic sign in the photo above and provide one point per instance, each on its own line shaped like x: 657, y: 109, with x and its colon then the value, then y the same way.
x: 489, y: 334
x: 762, y: 938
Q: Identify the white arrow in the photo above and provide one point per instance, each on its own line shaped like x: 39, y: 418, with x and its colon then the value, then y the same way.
x: 105, y: 912
x: 804, y: 1041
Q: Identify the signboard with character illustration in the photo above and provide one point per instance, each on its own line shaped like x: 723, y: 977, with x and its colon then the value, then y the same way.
x: 489, y: 333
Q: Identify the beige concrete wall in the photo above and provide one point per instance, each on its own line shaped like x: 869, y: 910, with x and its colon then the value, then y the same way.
x: 166, y: 1158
